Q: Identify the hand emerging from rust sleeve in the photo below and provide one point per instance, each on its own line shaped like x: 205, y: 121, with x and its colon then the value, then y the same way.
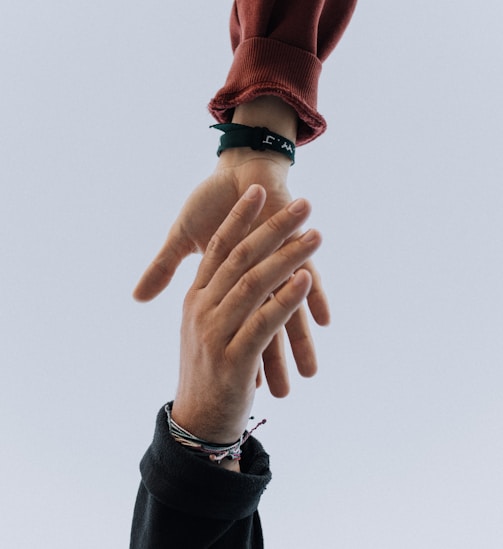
x: 210, y: 203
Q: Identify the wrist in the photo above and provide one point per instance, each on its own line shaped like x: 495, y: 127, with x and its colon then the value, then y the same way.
x: 212, y: 427
x: 226, y: 456
x: 236, y: 157
x: 272, y: 113
x: 268, y: 111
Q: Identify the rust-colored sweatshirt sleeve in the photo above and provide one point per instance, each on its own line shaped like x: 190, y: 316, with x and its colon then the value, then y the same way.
x: 279, y: 46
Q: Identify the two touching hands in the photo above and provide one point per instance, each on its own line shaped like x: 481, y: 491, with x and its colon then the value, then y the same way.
x: 202, y: 214
x: 209, y: 205
x: 230, y: 317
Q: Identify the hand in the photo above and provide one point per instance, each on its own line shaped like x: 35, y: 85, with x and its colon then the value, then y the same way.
x: 229, y: 320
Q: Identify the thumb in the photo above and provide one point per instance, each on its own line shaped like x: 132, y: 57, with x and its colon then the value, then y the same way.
x: 160, y: 272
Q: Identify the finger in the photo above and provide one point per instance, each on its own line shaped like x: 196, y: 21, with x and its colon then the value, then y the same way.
x: 160, y: 272
x: 317, y: 299
x: 233, y: 229
x: 255, y: 285
x: 275, y: 367
x: 260, y: 244
x: 258, y: 380
x: 258, y: 331
x: 301, y: 343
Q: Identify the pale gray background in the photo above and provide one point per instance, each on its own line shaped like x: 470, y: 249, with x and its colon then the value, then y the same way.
x: 397, y: 443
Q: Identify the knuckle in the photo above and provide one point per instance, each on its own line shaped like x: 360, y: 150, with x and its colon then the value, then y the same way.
x: 158, y: 265
x: 195, y: 303
x: 287, y: 253
x: 274, y: 223
x: 216, y: 244
x: 288, y: 308
x: 236, y: 214
x: 240, y: 255
x: 190, y: 296
x: 259, y: 324
x: 298, y: 328
x: 249, y: 283
x: 299, y: 337
x: 284, y: 303
x: 293, y: 253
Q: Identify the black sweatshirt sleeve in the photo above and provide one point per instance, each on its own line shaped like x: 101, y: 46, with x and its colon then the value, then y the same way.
x: 186, y: 502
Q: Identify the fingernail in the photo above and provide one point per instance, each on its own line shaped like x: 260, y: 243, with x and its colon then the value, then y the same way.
x: 252, y: 192
x: 299, y: 278
x: 298, y: 206
x: 308, y: 236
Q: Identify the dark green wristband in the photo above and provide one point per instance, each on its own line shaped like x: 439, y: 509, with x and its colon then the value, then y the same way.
x: 258, y: 139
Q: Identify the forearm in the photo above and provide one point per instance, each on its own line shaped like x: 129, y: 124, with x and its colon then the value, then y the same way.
x: 271, y: 112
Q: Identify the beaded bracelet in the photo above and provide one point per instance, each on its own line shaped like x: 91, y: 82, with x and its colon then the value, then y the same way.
x: 214, y: 452
x: 258, y: 139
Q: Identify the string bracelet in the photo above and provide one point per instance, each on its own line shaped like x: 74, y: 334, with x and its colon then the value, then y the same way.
x: 203, y: 448
x: 257, y: 138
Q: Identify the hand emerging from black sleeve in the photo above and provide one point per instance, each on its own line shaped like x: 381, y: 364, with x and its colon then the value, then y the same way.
x: 229, y: 320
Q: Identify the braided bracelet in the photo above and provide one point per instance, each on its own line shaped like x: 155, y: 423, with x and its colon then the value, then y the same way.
x: 258, y: 139
x: 214, y: 452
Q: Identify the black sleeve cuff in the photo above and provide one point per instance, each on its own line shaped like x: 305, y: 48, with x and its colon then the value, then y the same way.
x: 190, y: 484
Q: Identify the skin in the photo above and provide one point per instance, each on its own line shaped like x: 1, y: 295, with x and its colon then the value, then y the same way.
x: 210, y: 203
x: 229, y: 318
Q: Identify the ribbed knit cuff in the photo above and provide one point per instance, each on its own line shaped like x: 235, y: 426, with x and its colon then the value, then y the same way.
x: 263, y: 66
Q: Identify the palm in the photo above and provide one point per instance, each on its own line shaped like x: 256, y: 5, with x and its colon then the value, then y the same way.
x: 213, y: 199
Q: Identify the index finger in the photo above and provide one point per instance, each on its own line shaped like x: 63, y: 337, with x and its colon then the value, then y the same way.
x: 233, y: 229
